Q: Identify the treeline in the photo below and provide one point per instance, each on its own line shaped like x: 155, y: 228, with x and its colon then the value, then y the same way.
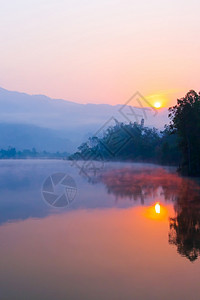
x: 131, y: 142
x: 12, y: 153
x: 178, y: 144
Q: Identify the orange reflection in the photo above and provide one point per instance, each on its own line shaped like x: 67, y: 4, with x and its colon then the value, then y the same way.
x: 157, y: 212
x: 157, y: 208
x: 141, y: 183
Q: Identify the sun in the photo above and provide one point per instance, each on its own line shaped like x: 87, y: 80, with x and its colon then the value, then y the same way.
x: 157, y: 104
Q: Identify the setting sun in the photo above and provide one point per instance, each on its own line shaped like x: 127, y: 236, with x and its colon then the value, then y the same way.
x: 157, y: 104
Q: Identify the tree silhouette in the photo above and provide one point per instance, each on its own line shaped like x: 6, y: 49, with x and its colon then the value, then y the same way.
x: 185, y: 121
x: 133, y: 142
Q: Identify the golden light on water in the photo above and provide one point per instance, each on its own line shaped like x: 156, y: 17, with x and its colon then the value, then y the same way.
x: 157, y: 208
x: 157, y: 212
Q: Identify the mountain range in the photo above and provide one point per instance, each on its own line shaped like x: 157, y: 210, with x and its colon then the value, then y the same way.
x: 28, y: 121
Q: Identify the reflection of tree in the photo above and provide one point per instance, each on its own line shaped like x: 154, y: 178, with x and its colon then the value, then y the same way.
x: 185, y: 227
x: 139, y: 184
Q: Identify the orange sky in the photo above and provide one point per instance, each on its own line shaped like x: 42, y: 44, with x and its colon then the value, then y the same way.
x: 100, y: 51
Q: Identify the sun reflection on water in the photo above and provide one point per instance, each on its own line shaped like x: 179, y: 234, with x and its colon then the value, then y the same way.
x: 157, y: 208
x: 158, y: 212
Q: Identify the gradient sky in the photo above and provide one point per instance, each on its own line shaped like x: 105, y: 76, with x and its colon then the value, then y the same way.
x: 100, y: 51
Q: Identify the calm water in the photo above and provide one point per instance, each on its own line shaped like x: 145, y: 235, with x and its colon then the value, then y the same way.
x: 111, y: 242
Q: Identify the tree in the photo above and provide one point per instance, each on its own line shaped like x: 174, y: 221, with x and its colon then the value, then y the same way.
x: 130, y: 142
x: 185, y: 122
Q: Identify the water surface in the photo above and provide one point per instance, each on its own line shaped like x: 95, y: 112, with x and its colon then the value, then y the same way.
x: 109, y: 243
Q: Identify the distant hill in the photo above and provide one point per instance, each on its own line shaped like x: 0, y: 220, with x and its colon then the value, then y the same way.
x: 23, y: 137
x: 39, y: 121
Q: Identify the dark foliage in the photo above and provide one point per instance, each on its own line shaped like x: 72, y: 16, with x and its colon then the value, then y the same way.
x: 185, y: 122
x: 131, y: 142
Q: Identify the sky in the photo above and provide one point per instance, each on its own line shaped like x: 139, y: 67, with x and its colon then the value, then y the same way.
x: 100, y: 51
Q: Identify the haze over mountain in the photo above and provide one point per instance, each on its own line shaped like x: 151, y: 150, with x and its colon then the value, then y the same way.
x: 38, y: 121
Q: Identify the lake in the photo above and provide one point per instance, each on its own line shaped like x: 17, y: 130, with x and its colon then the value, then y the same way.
x: 91, y: 231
